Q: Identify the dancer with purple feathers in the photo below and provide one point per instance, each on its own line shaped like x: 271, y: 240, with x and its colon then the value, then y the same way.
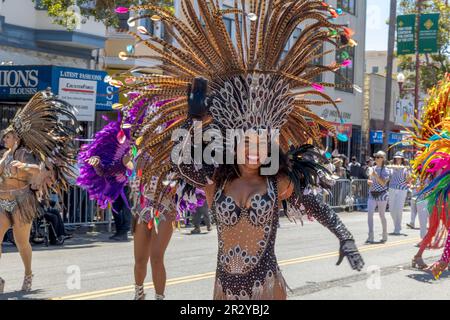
x: 108, y: 165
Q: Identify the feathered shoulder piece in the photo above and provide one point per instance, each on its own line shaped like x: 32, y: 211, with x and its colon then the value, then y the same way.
x: 48, y: 127
x: 114, y: 148
x: 306, y: 169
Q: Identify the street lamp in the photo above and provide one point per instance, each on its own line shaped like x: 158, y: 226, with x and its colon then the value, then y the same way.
x: 401, y: 80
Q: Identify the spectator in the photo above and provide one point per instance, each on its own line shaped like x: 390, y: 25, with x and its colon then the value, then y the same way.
x: 341, y: 171
x: 356, y: 171
x: 197, y: 219
x: 366, y: 167
x: 337, y: 163
x: 398, y: 190
x: 122, y: 217
x: 345, y: 162
x: 378, y: 194
x: 419, y: 207
x: 52, y: 214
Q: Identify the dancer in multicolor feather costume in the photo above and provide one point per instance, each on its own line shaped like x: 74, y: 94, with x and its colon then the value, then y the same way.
x: 432, y: 167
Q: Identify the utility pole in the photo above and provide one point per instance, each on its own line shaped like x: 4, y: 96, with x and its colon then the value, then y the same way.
x: 417, y: 82
x: 390, y: 63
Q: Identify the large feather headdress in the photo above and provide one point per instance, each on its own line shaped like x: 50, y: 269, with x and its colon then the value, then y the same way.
x: 251, y: 83
x: 48, y: 127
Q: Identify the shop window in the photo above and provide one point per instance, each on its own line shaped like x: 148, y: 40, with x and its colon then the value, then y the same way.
x: 348, y: 6
x: 345, y: 77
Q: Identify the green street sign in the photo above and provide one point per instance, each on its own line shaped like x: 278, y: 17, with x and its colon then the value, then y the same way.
x: 428, y: 32
x: 406, y: 34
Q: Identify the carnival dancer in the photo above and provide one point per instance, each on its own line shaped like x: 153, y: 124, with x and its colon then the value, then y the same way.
x: 107, y: 165
x: 432, y: 168
x: 244, y: 87
x: 39, y: 156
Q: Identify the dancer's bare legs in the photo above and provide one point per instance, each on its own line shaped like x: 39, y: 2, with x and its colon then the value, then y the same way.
x: 158, y: 246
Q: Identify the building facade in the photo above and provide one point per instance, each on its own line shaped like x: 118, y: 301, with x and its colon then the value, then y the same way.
x: 376, y: 62
x: 31, y: 44
x: 400, y: 119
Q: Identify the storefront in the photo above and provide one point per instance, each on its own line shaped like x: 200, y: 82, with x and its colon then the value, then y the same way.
x: 84, y: 89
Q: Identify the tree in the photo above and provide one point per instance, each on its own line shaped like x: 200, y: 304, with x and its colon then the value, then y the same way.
x: 69, y: 13
x: 436, y: 65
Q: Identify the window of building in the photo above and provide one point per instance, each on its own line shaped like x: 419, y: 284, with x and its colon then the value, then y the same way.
x: 345, y: 77
x: 356, y: 142
x: 123, y: 22
x: 228, y: 24
x: 39, y: 6
x: 147, y: 23
x: 375, y: 69
x: 318, y: 61
x: 347, y: 5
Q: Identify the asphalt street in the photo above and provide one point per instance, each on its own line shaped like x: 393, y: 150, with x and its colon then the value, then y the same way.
x: 92, y: 267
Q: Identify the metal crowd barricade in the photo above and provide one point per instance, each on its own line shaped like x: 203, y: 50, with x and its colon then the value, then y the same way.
x: 348, y: 195
x: 340, y: 194
x: 80, y: 210
x: 360, y: 194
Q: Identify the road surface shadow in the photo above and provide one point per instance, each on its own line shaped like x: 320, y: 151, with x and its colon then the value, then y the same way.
x: 427, y: 277
x: 89, y: 240
x: 203, y: 233
x: 20, y: 295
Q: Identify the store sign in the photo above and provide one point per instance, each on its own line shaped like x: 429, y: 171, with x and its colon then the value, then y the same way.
x: 346, y: 129
x: 84, y: 89
x: 376, y: 137
x: 17, y: 83
x: 428, y: 33
x: 394, y: 137
x: 404, y: 112
x: 406, y: 34
x: 80, y: 94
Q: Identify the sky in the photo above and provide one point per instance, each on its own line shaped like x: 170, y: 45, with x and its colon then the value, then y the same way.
x: 377, y: 28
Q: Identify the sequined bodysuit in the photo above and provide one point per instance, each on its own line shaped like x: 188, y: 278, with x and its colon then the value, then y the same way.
x: 247, y: 267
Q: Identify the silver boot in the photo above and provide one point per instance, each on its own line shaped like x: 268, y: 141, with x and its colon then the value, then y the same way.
x: 27, y: 283
x: 139, y: 292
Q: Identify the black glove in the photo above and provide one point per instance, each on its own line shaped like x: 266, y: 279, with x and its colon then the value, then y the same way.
x: 197, y: 97
x: 348, y: 249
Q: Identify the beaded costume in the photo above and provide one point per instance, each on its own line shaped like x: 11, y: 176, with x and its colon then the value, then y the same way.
x: 242, y: 82
x: 47, y: 144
